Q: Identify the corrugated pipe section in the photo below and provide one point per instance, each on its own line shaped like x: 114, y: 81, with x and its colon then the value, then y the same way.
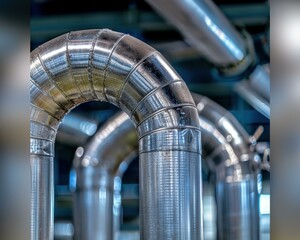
x: 108, y: 66
x: 226, y: 149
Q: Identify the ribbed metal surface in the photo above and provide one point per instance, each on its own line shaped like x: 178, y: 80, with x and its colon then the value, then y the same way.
x: 226, y: 150
x: 163, y: 202
x: 109, y: 66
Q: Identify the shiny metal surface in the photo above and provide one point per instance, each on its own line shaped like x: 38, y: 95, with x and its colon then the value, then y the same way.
x: 108, y: 66
x: 96, y: 179
x: 238, y: 203
x: 256, y: 89
x: 205, y: 27
x: 226, y: 150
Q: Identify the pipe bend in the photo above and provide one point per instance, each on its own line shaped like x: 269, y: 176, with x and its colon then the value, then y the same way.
x: 108, y: 66
x: 225, y: 143
x: 225, y: 146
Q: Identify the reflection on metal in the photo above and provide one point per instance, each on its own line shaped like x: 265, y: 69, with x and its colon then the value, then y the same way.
x: 109, y: 66
x: 97, y: 171
x: 256, y: 90
x: 76, y: 129
x: 227, y: 150
x: 63, y: 229
x: 207, y: 29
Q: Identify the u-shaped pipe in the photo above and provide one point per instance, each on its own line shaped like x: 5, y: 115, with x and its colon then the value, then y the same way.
x: 108, y: 66
x: 226, y: 149
x: 97, y: 171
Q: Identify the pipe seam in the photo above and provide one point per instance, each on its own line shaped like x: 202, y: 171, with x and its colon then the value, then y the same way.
x: 51, y: 78
x: 48, y: 95
x: 168, y: 128
x: 108, y: 61
x: 132, y: 71
x: 90, y: 62
x: 153, y: 91
x: 164, y: 109
x: 70, y: 67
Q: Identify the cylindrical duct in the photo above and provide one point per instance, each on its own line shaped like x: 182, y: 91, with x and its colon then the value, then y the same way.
x: 207, y: 29
x: 226, y: 150
x: 96, y: 179
x: 237, y: 201
x: 108, y: 66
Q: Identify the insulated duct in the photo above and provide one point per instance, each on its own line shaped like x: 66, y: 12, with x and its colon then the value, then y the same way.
x: 108, y: 66
x: 226, y: 149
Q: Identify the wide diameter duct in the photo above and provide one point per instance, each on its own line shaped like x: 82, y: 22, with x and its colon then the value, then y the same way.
x: 226, y: 150
x: 108, y: 66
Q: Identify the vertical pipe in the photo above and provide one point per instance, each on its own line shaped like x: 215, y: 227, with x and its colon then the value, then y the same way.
x: 226, y: 150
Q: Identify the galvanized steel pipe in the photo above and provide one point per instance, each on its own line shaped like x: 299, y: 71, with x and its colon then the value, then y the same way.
x: 226, y: 150
x: 108, y: 66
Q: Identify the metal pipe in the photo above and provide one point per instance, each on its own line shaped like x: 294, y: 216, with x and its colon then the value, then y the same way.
x: 207, y: 29
x: 95, y: 179
x: 228, y: 152
x: 108, y: 66
x: 226, y: 149
x: 256, y: 89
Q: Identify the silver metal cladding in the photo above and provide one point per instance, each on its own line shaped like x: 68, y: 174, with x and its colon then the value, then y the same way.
x: 109, y: 66
x: 98, y: 174
x: 226, y: 151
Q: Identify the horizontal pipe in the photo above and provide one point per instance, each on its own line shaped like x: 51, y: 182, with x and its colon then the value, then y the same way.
x: 207, y: 29
x: 226, y: 149
x: 109, y: 66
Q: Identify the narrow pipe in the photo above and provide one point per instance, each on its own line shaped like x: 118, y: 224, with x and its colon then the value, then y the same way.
x: 226, y: 149
x: 108, y: 66
x: 207, y: 29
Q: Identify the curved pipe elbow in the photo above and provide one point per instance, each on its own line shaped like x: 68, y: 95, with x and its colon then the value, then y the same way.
x: 108, y: 66
x: 225, y: 143
x: 225, y: 146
